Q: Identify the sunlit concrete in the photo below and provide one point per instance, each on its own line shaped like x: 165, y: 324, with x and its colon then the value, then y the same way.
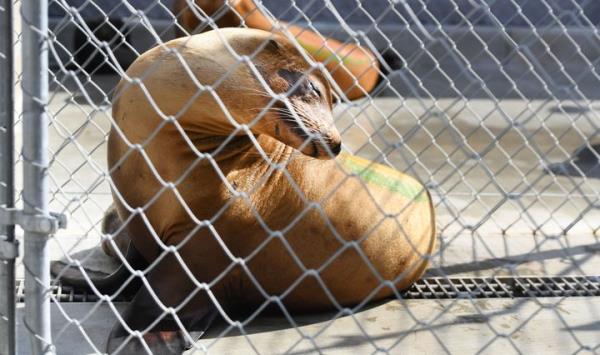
x: 499, y: 213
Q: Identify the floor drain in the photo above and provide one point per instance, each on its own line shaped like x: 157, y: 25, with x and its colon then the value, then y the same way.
x: 503, y: 287
x: 426, y: 288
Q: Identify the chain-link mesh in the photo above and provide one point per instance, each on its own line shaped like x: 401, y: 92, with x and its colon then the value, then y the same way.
x: 492, y: 105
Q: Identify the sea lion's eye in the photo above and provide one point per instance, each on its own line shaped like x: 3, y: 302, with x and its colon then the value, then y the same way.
x: 314, y: 89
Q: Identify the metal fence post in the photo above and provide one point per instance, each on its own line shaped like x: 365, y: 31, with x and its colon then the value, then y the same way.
x: 7, y: 264
x: 35, y: 180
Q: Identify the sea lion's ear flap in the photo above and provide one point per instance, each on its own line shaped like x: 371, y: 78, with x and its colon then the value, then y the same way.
x: 272, y: 45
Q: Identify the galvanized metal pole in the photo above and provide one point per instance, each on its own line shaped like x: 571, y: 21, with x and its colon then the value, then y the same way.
x: 35, y: 180
x: 7, y: 233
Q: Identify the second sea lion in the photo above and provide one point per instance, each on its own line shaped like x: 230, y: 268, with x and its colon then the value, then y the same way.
x: 355, y: 68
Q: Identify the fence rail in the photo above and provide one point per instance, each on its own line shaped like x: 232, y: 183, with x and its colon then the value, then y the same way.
x: 492, y: 106
x: 7, y: 233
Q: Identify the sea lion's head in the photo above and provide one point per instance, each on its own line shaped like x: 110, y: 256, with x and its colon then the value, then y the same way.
x: 299, y: 113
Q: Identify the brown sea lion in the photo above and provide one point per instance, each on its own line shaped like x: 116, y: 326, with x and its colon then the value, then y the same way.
x: 224, y: 180
x: 354, y: 68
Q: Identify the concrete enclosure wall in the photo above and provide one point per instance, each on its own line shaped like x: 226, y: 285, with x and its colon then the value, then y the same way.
x: 447, y: 12
x: 444, y: 46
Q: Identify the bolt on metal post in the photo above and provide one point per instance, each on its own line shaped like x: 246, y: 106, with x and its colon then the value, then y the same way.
x: 7, y: 266
x: 35, y: 180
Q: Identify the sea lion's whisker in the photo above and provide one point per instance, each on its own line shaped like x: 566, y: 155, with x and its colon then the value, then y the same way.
x: 272, y: 123
x: 267, y: 109
x: 301, y: 110
x: 248, y: 88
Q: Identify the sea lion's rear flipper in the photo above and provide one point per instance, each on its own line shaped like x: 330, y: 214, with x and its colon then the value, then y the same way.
x: 70, y: 275
x: 170, y: 334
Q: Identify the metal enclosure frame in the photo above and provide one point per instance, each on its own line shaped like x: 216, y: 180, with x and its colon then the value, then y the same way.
x: 7, y: 232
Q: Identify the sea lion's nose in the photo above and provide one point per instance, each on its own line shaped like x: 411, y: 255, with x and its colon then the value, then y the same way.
x: 336, y: 148
x: 335, y: 141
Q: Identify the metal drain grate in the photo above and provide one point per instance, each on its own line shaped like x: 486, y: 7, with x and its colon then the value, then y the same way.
x: 427, y: 288
x: 62, y: 294
x: 504, y: 287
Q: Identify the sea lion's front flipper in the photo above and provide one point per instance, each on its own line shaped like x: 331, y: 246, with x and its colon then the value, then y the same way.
x: 160, y: 331
x: 105, y: 283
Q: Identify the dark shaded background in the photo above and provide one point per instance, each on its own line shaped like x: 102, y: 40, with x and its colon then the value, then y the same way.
x: 446, y: 12
x: 435, y: 48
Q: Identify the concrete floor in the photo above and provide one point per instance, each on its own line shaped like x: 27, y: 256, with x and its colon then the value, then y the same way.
x: 486, y: 326
x: 499, y: 213
x: 483, y: 161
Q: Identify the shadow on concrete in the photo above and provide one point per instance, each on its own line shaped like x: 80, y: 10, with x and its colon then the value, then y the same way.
x: 585, y: 161
x: 273, y: 319
x: 588, y: 327
x: 481, y: 265
x: 96, y: 90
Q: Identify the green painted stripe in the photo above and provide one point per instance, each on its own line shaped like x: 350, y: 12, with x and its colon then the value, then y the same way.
x: 408, y: 189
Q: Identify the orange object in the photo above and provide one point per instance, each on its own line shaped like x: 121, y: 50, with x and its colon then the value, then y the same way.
x: 354, y: 68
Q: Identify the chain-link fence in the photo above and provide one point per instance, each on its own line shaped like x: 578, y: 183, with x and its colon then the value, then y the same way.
x: 209, y: 205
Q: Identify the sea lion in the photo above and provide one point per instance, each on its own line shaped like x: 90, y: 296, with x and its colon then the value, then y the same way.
x: 111, y: 225
x: 224, y: 178
x: 354, y: 68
